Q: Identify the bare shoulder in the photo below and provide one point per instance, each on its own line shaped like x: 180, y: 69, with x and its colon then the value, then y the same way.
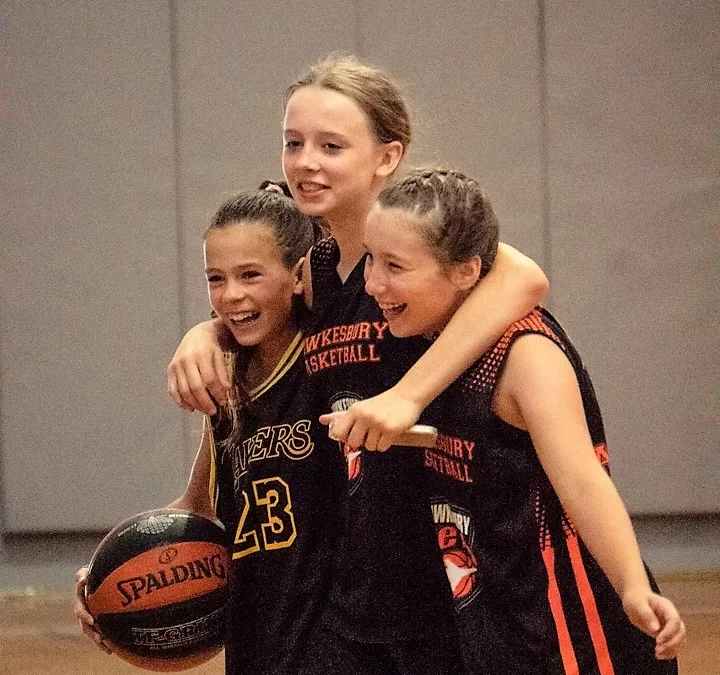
x: 536, y: 363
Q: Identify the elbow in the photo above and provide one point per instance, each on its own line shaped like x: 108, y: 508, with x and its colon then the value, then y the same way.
x: 541, y: 286
x: 535, y: 282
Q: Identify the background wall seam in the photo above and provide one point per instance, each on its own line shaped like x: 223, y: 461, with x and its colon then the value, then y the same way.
x: 543, y: 86
x: 179, y: 229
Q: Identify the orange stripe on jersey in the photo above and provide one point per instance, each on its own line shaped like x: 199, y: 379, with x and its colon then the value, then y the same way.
x: 591, y: 613
x: 567, y: 653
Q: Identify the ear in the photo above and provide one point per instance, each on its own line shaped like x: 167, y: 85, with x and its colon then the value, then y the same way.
x: 391, y: 154
x: 466, y: 274
x: 298, y: 284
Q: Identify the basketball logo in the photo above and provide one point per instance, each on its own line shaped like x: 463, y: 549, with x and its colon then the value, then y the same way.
x: 460, y: 562
x: 353, y: 456
x: 461, y: 569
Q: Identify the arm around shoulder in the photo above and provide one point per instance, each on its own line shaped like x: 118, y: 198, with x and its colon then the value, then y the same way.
x: 512, y: 288
x: 197, y: 371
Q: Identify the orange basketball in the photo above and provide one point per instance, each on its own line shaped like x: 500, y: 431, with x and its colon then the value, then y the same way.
x: 157, y: 587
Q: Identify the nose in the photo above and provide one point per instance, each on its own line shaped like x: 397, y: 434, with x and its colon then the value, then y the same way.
x: 307, y: 158
x: 233, y: 291
x: 374, y: 283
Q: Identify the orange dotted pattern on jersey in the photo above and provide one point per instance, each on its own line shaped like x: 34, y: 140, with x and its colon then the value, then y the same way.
x: 484, y: 376
x: 541, y: 518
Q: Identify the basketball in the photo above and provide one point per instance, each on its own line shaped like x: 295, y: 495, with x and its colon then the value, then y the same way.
x: 157, y: 587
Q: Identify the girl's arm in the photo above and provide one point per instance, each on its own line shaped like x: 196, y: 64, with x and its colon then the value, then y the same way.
x: 197, y: 497
x: 197, y: 370
x: 539, y: 392
x: 514, y: 286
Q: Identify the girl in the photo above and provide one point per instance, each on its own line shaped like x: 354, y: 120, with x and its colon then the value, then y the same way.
x: 258, y: 469
x: 539, y: 551
x: 345, y: 131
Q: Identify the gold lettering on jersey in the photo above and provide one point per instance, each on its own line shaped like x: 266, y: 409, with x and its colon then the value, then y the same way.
x: 291, y: 440
x: 358, y: 340
x: 451, y: 457
x: 267, y: 521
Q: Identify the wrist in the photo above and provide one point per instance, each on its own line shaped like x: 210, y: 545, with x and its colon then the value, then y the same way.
x: 633, y: 586
x: 412, y: 393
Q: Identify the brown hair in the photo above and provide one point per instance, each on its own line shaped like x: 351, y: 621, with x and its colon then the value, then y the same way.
x: 371, y: 88
x: 453, y: 214
x: 292, y: 230
x: 294, y: 234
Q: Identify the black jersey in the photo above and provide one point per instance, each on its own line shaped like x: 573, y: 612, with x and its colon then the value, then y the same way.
x: 276, y: 493
x: 528, y: 595
x: 389, y: 583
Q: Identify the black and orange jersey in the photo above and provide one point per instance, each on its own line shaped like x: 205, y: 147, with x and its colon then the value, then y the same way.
x: 389, y: 583
x: 529, y: 597
x: 275, y: 495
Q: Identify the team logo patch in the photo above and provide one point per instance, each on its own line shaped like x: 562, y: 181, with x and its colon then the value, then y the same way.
x: 455, y: 535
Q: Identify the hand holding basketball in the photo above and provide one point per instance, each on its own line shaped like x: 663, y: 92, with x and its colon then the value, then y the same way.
x: 82, y: 614
x: 156, y: 589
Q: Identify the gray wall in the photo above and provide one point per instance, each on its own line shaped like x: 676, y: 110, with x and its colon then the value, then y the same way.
x: 125, y: 123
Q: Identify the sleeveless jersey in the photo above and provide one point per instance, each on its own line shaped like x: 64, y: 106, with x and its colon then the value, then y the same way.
x: 529, y: 597
x: 277, y: 495
x: 389, y: 582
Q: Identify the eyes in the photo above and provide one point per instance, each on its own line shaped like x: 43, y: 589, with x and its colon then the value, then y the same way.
x: 329, y: 147
x: 391, y: 265
x: 248, y: 275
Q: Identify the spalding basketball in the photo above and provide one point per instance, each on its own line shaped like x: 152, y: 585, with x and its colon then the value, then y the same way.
x: 157, y: 587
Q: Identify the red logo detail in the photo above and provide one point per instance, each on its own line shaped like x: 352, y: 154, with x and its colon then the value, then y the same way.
x: 167, y: 556
x: 460, y: 562
x: 353, y: 457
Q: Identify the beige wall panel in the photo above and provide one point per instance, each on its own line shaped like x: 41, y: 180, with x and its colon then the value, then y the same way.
x: 235, y: 60
x: 88, y: 280
x: 472, y: 71
x: 634, y: 113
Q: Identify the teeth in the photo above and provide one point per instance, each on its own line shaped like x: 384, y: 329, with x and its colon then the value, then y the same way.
x: 311, y: 187
x: 242, y: 316
x: 386, y: 307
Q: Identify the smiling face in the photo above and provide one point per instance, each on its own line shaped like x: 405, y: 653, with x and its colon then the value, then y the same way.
x: 332, y: 161
x: 249, y: 286
x: 416, y: 293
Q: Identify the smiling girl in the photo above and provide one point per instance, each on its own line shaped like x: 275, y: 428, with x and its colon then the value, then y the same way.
x: 538, y: 548
x: 345, y: 131
x: 258, y: 469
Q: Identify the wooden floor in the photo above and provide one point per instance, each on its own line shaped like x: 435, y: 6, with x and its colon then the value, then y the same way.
x: 39, y: 636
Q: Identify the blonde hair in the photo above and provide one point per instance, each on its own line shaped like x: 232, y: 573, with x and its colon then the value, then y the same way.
x: 371, y: 88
